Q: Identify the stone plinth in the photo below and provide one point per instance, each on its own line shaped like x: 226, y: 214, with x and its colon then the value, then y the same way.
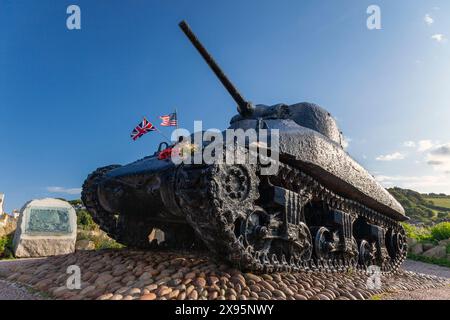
x: 46, y: 227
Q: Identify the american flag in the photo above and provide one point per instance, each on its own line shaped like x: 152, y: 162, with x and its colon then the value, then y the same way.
x: 169, y: 120
x: 141, y: 129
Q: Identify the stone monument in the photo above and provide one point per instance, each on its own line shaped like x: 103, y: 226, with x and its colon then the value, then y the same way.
x: 46, y: 227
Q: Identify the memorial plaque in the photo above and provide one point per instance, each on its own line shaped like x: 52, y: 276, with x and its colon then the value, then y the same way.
x: 48, y: 220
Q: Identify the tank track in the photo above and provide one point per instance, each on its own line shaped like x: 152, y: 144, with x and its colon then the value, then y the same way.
x: 202, y: 199
x: 132, y: 230
x: 116, y: 226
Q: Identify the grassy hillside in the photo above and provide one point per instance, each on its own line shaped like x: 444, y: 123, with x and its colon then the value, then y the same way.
x: 439, y: 201
x: 423, y: 208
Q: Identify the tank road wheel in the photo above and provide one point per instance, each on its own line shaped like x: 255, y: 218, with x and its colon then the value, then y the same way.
x: 323, y: 243
x: 396, y: 242
x: 127, y: 229
x: 255, y: 228
x: 366, y: 253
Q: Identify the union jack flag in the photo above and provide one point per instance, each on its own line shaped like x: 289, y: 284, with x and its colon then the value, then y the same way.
x: 169, y: 120
x: 141, y: 129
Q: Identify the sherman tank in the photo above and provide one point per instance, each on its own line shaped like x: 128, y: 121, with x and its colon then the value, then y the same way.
x: 320, y: 210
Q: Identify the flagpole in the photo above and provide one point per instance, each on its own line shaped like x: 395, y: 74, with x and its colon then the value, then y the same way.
x: 176, y: 115
x: 159, y: 131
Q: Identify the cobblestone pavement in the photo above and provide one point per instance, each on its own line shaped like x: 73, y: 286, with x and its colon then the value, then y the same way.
x: 148, y: 275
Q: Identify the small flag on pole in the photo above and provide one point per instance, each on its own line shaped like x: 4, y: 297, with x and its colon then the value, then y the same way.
x: 142, y: 129
x: 169, y: 120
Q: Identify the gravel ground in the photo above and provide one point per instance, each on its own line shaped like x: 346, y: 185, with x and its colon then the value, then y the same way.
x: 12, y: 291
x: 149, y: 275
x: 421, y: 267
x: 427, y: 294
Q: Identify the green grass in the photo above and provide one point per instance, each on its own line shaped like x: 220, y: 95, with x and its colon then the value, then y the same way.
x: 377, y: 296
x: 440, y: 201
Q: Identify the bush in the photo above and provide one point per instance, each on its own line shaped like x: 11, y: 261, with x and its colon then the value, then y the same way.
x: 103, y: 243
x: 85, y: 221
x: 441, y: 231
x: 418, y: 233
x: 6, y: 248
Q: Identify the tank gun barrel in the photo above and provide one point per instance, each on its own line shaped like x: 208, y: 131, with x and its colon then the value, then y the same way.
x: 244, y: 107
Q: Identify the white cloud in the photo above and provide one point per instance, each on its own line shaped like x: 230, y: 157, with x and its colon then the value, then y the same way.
x: 64, y: 190
x: 439, y: 157
x: 345, y: 142
x: 424, y: 145
x: 428, y: 19
x: 433, y: 153
x: 409, y: 144
x: 439, y: 38
x: 390, y: 157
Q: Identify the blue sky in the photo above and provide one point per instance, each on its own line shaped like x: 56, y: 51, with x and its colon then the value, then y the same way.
x: 69, y: 98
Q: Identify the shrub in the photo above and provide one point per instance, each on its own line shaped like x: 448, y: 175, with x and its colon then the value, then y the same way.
x: 85, y: 221
x: 6, y: 248
x: 107, y: 244
x: 418, y: 233
x: 441, y: 231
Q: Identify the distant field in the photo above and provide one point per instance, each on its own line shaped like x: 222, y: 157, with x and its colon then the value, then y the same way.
x: 440, y: 202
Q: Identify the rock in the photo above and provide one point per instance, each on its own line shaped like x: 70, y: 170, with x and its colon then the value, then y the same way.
x: 213, y: 280
x: 445, y: 242
x: 163, y: 290
x: 116, y: 297
x: 150, y: 296
x: 193, y: 295
x: 134, y: 291
x: 427, y: 246
x: 279, y: 293
x: 411, y: 242
x: 84, y: 245
x: 103, y: 279
x: 45, y: 227
x: 86, y: 290
x: 201, y: 282
x: 436, y: 252
x: 253, y: 277
x: 416, y: 249
x: 105, y: 296
x: 151, y: 287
